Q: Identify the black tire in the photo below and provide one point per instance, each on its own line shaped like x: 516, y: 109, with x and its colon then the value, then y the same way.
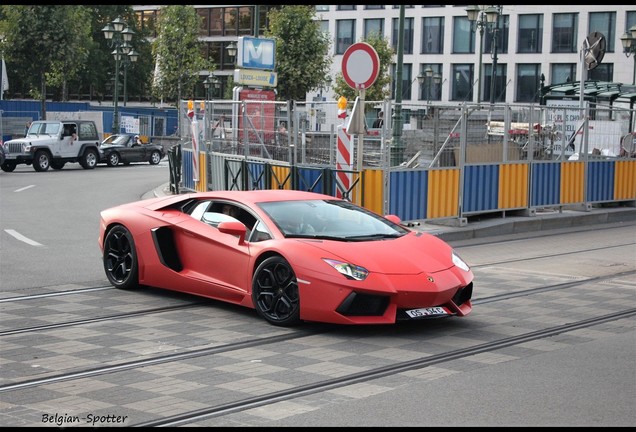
x: 8, y: 166
x: 155, y: 157
x: 120, y: 258
x: 275, y: 292
x: 56, y: 165
x: 41, y: 161
x: 112, y: 159
x: 89, y: 159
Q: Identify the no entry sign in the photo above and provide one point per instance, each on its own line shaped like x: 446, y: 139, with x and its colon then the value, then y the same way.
x: 360, y: 66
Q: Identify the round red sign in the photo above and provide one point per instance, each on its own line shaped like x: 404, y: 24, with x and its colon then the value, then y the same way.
x: 360, y: 65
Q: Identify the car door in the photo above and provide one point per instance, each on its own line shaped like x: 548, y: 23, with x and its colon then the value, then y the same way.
x: 133, y: 153
x: 213, y: 257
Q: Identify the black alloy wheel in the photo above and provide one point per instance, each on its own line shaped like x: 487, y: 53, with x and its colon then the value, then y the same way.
x: 155, y: 157
x: 120, y: 258
x: 275, y: 292
x: 113, y: 159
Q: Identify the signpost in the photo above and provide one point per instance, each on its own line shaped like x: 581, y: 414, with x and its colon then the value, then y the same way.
x: 360, y: 69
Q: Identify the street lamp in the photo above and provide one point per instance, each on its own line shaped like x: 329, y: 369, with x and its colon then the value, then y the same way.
x: 231, y: 51
x: 119, y: 37
x: 211, y: 83
x: 482, y: 17
x: 629, y: 46
x: 428, y: 74
x: 492, y: 16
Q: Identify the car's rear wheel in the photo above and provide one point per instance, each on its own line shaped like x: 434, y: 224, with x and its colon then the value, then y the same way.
x: 155, y: 158
x: 113, y: 159
x: 41, y: 160
x: 275, y: 292
x: 89, y: 159
x: 120, y: 258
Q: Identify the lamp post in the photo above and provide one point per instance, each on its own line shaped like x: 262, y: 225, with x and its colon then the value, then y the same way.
x: 492, y: 16
x: 231, y: 51
x: 629, y: 47
x: 119, y: 37
x: 480, y: 18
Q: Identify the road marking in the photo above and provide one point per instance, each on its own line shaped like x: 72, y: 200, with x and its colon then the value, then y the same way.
x: 20, y: 237
x: 24, y: 188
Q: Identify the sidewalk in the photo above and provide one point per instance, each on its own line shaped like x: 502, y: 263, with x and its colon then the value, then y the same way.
x: 500, y: 224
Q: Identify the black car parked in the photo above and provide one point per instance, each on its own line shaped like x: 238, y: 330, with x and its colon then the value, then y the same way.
x: 123, y: 148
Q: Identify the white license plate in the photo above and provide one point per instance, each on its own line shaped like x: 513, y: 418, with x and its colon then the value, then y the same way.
x: 418, y: 313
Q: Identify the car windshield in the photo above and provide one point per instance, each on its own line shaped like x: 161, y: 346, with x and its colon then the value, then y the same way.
x: 330, y: 219
x: 38, y: 128
x: 116, y: 139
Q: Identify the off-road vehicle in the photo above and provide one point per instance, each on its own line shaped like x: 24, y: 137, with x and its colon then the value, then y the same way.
x: 53, y: 143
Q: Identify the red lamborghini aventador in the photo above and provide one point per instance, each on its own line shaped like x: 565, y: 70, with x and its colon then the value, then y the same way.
x: 293, y: 256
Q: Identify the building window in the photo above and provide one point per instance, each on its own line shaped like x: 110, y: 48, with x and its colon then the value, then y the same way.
x: 462, y: 84
x: 501, y: 81
x: 604, y: 22
x: 322, y: 8
x: 564, y: 30
x: 502, y: 36
x: 345, y: 35
x: 563, y: 73
x: 463, y: 36
x: 374, y: 26
x: 346, y: 7
x: 373, y: 7
x: 430, y: 90
x: 324, y: 27
x: 407, y: 72
x: 602, y: 72
x: 530, y: 34
x: 408, y: 34
x: 432, y: 35
x: 528, y: 82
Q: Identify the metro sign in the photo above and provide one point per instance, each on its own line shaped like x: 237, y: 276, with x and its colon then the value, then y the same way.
x: 255, y: 53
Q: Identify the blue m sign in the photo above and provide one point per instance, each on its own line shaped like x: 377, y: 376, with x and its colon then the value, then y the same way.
x: 256, y: 53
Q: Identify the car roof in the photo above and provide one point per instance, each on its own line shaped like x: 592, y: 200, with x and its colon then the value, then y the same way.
x: 248, y: 197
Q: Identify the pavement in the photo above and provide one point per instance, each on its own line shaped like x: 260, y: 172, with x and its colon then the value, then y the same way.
x: 510, y: 223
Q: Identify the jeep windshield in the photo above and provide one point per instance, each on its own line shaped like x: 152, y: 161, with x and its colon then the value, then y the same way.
x: 40, y: 128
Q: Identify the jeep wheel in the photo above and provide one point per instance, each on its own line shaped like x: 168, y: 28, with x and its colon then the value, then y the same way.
x: 155, y: 158
x: 89, y: 159
x: 8, y: 166
x: 113, y: 159
x: 57, y: 165
x: 41, y: 161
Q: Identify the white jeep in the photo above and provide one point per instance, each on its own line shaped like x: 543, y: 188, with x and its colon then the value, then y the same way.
x: 53, y: 143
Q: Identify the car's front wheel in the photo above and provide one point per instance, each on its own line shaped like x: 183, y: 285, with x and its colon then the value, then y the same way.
x: 8, y: 166
x: 155, y: 158
x: 275, y: 292
x: 120, y: 258
x: 113, y: 159
x: 41, y: 161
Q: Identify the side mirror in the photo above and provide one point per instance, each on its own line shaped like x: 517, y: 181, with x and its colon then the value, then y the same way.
x: 234, y: 228
x: 393, y: 218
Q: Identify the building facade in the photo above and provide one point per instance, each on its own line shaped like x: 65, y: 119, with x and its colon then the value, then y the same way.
x: 457, y: 59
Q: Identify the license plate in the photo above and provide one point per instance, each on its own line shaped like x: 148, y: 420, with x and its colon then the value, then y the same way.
x: 422, y: 312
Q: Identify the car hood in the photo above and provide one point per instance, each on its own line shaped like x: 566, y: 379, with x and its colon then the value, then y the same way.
x: 110, y: 146
x: 31, y: 139
x: 410, y: 254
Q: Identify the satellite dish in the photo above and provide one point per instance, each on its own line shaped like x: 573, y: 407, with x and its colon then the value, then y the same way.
x: 594, y: 49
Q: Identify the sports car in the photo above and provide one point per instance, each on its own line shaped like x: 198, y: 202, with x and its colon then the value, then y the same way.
x: 293, y: 256
x: 121, y: 148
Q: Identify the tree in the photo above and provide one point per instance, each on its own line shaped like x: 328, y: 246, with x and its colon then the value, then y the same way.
x: 45, y: 42
x: 177, y: 53
x: 381, y: 89
x: 302, y: 51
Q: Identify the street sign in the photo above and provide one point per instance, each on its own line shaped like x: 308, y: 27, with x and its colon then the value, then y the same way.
x: 256, y: 53
x: 256, y: 78
x: 360, y: 66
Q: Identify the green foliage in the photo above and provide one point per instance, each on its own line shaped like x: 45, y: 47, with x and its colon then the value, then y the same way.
x: 177, y: 51
x: 381, y: 89
x: 302, y: 60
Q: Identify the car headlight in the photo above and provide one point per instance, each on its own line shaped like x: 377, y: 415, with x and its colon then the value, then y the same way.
x: 350, y: 271
x: 459, y: 262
